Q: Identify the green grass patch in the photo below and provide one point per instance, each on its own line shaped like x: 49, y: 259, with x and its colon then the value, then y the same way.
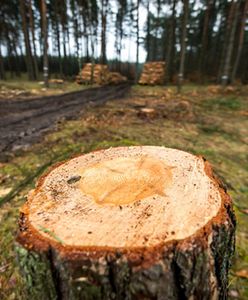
x: 228, y: 103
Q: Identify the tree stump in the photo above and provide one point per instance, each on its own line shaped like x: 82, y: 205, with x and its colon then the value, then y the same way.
x: 147, y: 113
x: 127, y: 223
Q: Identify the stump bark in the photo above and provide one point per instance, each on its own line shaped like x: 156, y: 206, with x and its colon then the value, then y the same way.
x: 127, y: 223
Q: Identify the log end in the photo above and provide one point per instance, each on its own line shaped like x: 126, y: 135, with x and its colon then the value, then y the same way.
x: 124, y: 198
x: 147, y: 215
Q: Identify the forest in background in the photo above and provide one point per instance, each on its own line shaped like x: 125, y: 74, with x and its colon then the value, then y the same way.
x: 201, y: 41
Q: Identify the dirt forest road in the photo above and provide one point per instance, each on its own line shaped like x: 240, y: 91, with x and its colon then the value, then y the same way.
x: 22, y: 122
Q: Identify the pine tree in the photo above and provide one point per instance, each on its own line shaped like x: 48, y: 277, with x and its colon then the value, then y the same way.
x: 29, y: 56
x: 230, y: 45
x: 183, y: 43
x: 45, y: 43
x: 240, y: 40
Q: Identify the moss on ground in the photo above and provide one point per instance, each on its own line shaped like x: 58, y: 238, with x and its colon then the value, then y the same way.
x: 210, y: 122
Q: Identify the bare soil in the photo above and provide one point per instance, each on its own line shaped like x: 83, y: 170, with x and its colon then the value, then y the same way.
x: 22, y: 122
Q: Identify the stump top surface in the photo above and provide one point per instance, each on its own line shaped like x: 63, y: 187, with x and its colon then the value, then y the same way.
x: 124, y: 198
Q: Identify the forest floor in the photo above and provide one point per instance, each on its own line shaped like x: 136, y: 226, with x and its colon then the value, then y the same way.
x: 201, y: 120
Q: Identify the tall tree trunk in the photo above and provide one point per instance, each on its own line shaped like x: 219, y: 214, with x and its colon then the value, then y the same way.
x: 92, y: 57
x: 225, y: 26
x: 204, y: 42
x: 58, y: 48
x: 31, y: 18
x: 207, y: 68
x: 117, y: 45
x: 183, y: 44
x: 171, y: 40
x: 58, y: 38
x: 74, y: 10
x: 65, y: 68
x: 155, y: 46
x: 214, y: 53
x: 87, y: 48
x: 104, y: 4
x: 81, y: 43
x: 64, y: 41
x: 244, y: 69
x: 120, y: 46
x: 227, y: 65
x: 119, y: 35
x: 9, y: 55
x: 45, y: 43
x: 148, y: 33
x: 29, y: 60
x: 241, y: 41
x: 137, y: 43
x: 86, y: 39
x: 17, y: 59
x: 2, y: 71
x: 68, y: 40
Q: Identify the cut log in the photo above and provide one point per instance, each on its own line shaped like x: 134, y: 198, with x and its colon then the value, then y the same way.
x: 101, y: 75
x: 127, y: 223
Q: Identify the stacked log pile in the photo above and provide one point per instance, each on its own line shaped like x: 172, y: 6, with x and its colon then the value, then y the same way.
x: 116, y: 78
x: 98, y: 71
x: 101, y: 75
x: 153, y: 73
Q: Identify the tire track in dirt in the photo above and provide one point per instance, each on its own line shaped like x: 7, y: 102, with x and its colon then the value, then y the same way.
x: 22, y: 122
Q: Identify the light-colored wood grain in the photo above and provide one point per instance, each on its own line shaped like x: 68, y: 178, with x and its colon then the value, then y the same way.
x: 125, y: 197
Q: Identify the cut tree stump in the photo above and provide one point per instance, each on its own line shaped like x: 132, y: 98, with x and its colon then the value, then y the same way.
x: 127, y: 223
x: 147, y: 113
